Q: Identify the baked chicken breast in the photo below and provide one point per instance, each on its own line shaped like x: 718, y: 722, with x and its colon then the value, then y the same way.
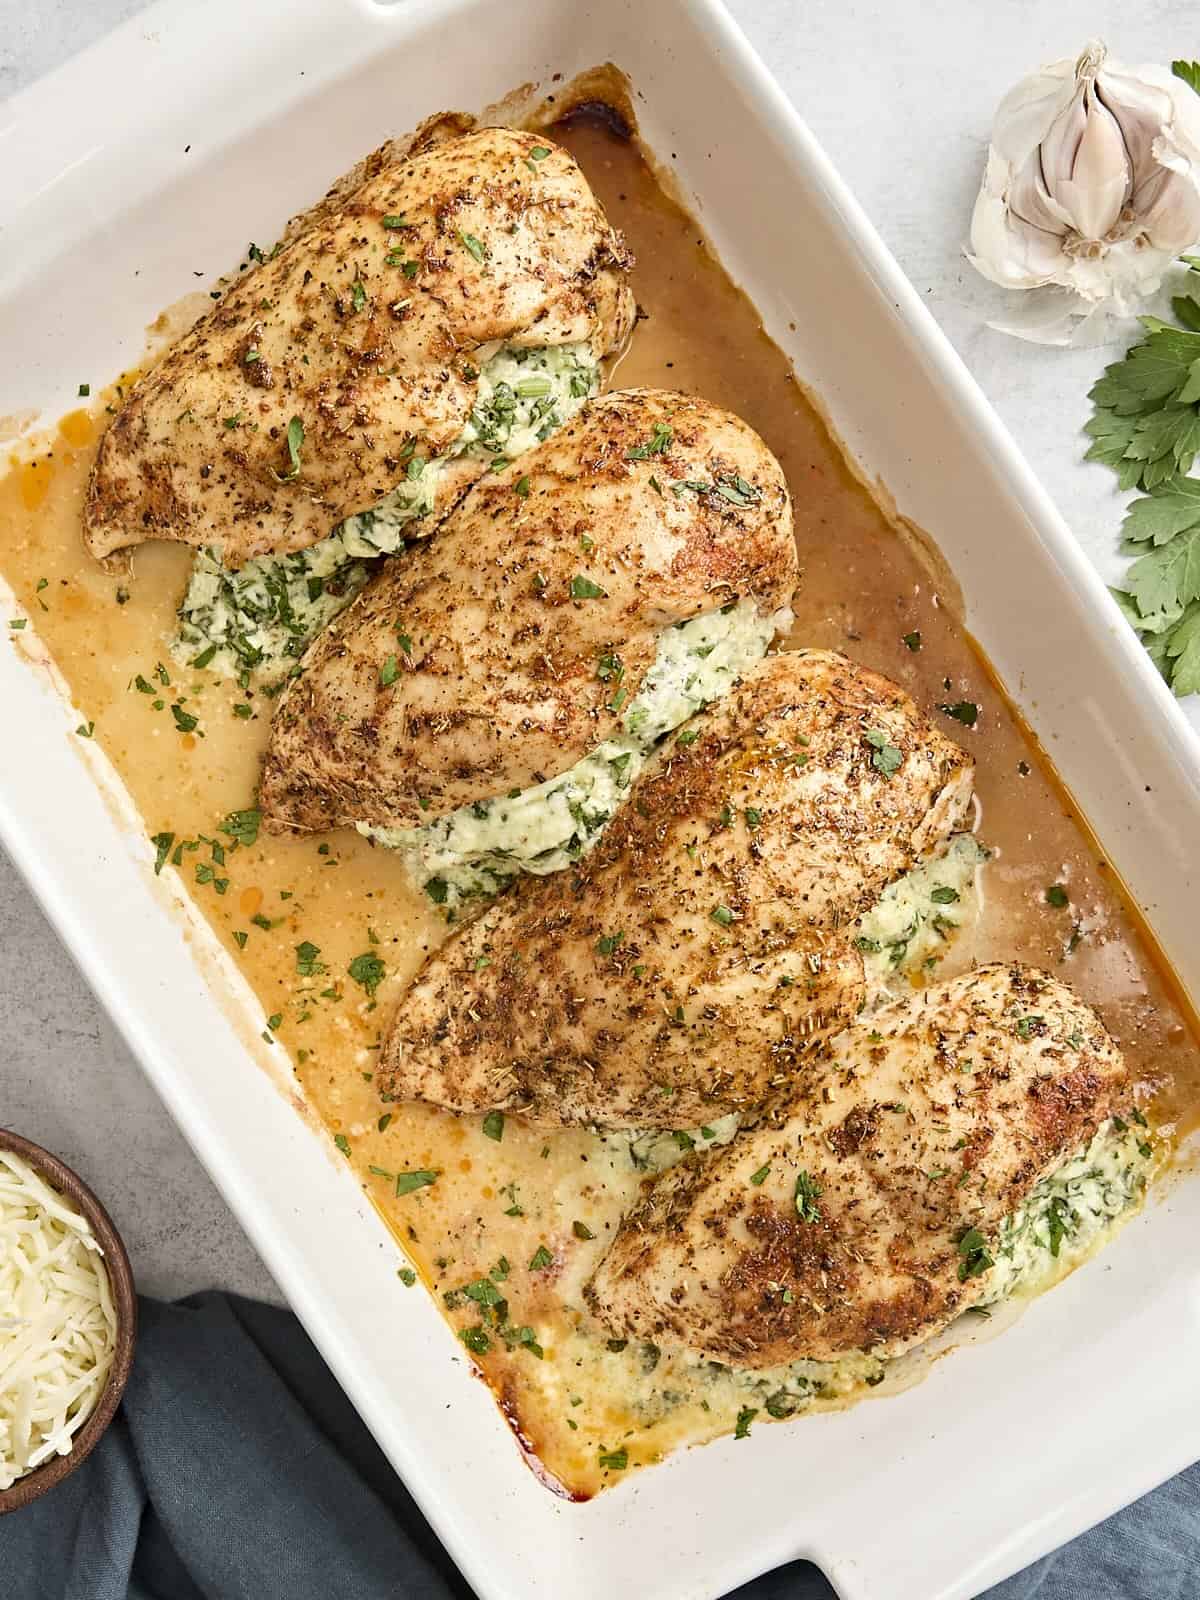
x: 686, y: 966
x: 354, y: 348
x: 877, y: 1212
x: 497, y: 655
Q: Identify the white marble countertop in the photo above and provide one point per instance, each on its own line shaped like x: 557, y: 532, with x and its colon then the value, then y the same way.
x: 901, y: 94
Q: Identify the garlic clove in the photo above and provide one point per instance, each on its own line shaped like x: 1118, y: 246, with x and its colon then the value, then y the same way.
x: 1100, y: 176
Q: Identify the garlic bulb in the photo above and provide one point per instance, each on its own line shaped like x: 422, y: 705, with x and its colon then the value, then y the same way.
x: 1092, y: 188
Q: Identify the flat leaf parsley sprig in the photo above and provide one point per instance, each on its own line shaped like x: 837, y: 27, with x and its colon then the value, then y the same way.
x: 1146, y: 426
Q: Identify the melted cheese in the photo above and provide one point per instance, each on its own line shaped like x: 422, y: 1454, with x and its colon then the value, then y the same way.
x: 57, y: 1321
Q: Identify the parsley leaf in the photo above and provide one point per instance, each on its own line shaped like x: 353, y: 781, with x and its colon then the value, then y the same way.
x: 1189, y: 71
x: 964, y: 711
x: 585, y: 589
x: 295, y: 439
x: 744, y: 1418
x: 1145, y: 426
x: 887, y: 757
x: 242, y: 826
x: 807, y: 1195
x: 368, y: 971
x: 974, y: 1256
x: 407, y: 1182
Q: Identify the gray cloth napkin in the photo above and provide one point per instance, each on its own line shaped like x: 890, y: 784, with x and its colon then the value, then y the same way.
x: 238, y: 1470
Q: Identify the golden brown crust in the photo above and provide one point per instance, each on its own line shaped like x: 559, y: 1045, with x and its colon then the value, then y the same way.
x: 494, y: 680
x: 936, y: 1116
x: 332, y: 329
x: 690, y: 963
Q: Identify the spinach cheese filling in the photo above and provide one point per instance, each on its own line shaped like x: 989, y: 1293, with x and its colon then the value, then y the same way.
x: 909, y: 927
x: 261, y: 618
x: 475, y: 850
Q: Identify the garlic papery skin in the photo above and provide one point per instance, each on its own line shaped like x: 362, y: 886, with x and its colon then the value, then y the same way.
x: 1092, y: 188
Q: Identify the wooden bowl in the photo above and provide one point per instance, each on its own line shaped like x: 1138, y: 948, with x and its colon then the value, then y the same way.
x: 120, y: 1276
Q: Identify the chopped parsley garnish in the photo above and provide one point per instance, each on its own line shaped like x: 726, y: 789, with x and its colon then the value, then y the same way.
x: 886, y: 757
x: 295, y: 442
x: 744, y: 1418
x: 760, y: 1177
x: 582, y: 1231
x: 407, y: 1276
x: 974, y: 1256
x: 493, y: 1126
x: 242, y: 826
x: 368, y: 971
x: 342, y: 1143
x: 913, y: 640
x: 307, y: 963
x: 722, y: 915
x: 539, y: 152
x: 184, y: 720
x: 658, y: 445
x: 162, y: 843
x: 521, y: 487
x: 437, y: 889
x: 408, y: 1182
x: 396, y: 221
x: 943, y: 895
x: 1057, y: 896
x: 964, y: 711
x: 388, y: 672
x: 358, y: 294
x: 607, y: 943
x: 1028, y: 1026
x: 475, y: 246
x: 476, y: 1340
x: 618, y: 1460
x: 733, y: 487
x: 17, y: 623
x: 585, y: 589
x: 85, y: 389
x: 541, y: 1259
x: 806, y: 1197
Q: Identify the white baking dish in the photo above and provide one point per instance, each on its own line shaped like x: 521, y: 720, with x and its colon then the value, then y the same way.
x: 158, y: 154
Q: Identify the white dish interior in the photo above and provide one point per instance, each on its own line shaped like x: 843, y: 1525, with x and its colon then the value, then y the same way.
x: 157, y: 155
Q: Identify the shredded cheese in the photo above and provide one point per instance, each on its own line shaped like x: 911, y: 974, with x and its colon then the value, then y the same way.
x: 57, y: 1321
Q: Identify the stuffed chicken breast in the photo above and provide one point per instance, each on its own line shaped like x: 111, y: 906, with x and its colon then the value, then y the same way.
x: 949, y: 1150
x: 686, y: 966
x: 486, y: 703
x: 447, y: 306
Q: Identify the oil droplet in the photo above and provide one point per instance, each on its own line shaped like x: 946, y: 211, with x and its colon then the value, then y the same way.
x: 465, y: 1164
x: 188, y: 741
x: 77, y: 428
x: 74, y: 601
x: 250, y: 901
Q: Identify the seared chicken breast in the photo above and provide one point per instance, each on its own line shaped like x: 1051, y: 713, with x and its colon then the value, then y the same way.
x: 688, y: 964
x: 872, y: 1217
x: 500, y: 653
x: 353, y: 349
